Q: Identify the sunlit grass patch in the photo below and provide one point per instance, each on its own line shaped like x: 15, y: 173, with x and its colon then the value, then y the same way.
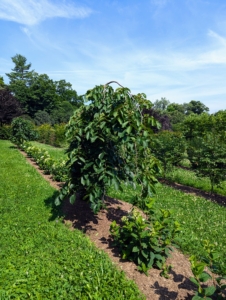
x: 42, y: 259
x: 189, y: 178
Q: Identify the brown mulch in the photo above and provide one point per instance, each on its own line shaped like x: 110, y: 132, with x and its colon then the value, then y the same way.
x: 153, y: 286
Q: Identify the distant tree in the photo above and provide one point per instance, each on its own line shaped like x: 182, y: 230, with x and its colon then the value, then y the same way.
x: 66, y: 93
x: 62, y: 113
x: 163, y: 120
x: 2, y: 84
x: 9, y: 107
x: 19, y: 80
x: 207, y: 155
x: 161, y: 105
x: 42, y: 117
x: 196, y: 107
x: 37, y: 92
x: 42, y: 95
x: 169, y: 147
x: 21, y: 71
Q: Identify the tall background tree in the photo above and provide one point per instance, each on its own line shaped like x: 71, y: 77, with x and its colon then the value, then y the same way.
x: 38, y: 93
x: 177, y: 113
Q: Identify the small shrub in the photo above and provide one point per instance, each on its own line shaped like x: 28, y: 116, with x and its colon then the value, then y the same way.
x: 147, y: 242
x: 57, y: 169
x: 5, y: 132
x: 23, y: 130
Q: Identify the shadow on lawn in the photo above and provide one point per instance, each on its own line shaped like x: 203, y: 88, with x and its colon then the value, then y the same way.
x: 56, y: 211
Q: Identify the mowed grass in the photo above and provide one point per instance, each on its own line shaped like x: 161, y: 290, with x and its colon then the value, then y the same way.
x: 200, y: 219
x: 189, y: 178
x: 42, y: 259
x: 54, y: 152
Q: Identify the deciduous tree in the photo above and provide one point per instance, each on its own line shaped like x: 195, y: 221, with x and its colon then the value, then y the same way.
x: 9, y: 107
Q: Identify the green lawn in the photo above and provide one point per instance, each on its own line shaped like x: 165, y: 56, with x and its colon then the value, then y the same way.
x: 42, y: 259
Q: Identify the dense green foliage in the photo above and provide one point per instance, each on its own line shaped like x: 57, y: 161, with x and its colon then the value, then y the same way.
x: 109, y: 142
x: 169, y: 147
x: 177, y: 113
x: 42, y: 259
x: 40, y: 97
x: 5, y: 132
x: 9, y: 107
x: 52, y: 135
x: 206, y: 145
x: 207, y: 156
x: 23, y: 130
x: 146, y: 241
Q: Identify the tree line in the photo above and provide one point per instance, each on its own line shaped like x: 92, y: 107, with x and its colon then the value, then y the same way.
x: 36, y: 96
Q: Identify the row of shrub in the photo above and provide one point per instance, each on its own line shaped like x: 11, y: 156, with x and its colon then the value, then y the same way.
x: 57, y: 168
x: 26, y: 130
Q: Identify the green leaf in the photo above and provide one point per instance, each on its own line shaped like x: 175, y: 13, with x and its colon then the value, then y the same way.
x: 194, y: 281
x: 57, y: 201
x: 209, y: 291
x: 72, y: 198
x: 135, y: 249
x: 204, y: 277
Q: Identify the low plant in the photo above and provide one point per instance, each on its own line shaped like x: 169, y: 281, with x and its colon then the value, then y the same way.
x: 201, y: 276
x: 57, y: 168
x: 23, y: 130
x: 146, y: 241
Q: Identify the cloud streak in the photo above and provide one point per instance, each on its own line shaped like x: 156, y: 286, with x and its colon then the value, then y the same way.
x: 32, y: 12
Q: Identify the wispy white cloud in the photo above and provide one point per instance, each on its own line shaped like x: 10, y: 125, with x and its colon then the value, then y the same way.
x: 31, y: 12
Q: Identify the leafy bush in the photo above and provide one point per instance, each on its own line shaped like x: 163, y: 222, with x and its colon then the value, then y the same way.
x: 207, y: 155
x: 60, y: 137
x: 42, y: 117
x: 23, y: 130
x: 169, y: 147
x: 146, y: 242
x: 52, y: 135
x: 5, y: 132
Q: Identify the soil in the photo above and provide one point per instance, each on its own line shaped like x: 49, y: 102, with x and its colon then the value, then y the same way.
x: 154, y: 287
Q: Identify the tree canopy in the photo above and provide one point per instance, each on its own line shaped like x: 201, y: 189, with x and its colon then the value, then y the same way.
x: 37, y: 92
x: 9, y: 107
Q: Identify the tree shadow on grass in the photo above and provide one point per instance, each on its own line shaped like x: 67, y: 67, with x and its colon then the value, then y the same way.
x: 56, y: 211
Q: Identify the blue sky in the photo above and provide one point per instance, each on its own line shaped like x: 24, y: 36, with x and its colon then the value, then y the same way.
x: 163, y: 48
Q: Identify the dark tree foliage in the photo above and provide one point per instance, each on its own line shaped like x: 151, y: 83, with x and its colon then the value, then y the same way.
x: 42, y: 117
x: 9, y: 107
x: 164, y: 120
